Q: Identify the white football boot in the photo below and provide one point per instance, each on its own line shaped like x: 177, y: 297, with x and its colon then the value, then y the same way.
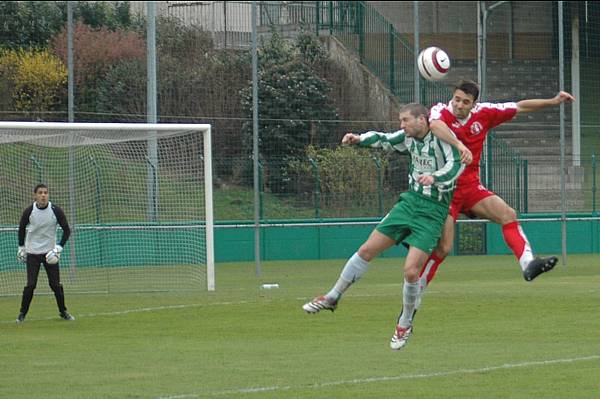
x: 318, y: 304
x: 400, y: 337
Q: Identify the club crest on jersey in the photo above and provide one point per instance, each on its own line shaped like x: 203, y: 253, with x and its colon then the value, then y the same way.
x: 476, y: 128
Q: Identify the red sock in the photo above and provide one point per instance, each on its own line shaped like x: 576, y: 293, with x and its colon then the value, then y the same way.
x: 430, y: 267
x: 515, y: 238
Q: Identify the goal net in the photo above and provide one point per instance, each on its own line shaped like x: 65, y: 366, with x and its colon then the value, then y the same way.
x: 138, y: 199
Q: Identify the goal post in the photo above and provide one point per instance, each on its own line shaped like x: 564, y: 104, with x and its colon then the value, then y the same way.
x: 138, y: 198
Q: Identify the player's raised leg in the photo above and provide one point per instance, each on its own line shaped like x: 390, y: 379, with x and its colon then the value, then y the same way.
x: 355, y: 268
x: 495, y: 209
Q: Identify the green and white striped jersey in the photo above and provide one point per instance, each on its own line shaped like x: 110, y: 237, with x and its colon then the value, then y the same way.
x: 429, y: 156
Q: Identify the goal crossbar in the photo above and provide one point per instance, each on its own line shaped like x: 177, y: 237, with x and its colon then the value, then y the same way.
x: 107, y: 126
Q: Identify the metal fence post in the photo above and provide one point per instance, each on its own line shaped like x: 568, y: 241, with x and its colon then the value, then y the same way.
x: 153, y: 216
x: 594, y: 183
x: 261, y: 191
x: 517, y: 163
x: 38, y: 167
x: 317, y: 192
x: 361, y: 31
x: 317, y: 17
x: 392, y: 60
x: 525, y: 186
x: 98, y: 190
x: 379, y: 185
x: 331, y: 17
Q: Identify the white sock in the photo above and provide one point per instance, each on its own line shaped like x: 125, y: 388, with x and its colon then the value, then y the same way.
x: 410, y: 293
x: 526, y: 257
x: 352, y: 272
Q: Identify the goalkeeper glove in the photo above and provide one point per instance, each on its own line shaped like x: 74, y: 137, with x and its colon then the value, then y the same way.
x: 53, y: 256
x: 21, y: 254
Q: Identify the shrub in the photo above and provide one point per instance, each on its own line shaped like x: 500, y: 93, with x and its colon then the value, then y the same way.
x: 122, y: 91
x: 33, y: 23
x: 343, y: 173
x: 294, y: 108
x: 30, y: 23
x: 95, y: 51
x: 36, y: 79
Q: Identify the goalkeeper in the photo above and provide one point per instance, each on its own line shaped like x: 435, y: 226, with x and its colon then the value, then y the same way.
x: 38, y: 224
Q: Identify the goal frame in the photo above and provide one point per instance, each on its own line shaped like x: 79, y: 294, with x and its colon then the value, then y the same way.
x: 204, y: 129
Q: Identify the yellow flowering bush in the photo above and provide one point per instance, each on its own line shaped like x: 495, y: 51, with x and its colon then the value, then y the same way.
x: 33, y: 80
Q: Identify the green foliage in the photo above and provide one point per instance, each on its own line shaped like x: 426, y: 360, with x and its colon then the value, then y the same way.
x: 293, y: 103
x: 195, y: 82
x: 95, y: 52
x: 104, y: 14
x: 8, y: 69
x: 184, y: 59
x: 343, y: 174
x: 187, y: 41
x: 311, y: 49
x: 102, y: 38
x: 30, y: 23
x: 123, y: 90
x: 34, y: 23
x: 32, y: 80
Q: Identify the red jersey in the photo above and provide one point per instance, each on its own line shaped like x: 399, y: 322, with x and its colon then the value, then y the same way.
x: 473, y: 129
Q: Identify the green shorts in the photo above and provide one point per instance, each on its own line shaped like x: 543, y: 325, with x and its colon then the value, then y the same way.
x: 415, y: 221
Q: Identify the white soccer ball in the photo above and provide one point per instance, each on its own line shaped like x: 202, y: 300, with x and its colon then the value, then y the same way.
x: 52, y: 257
x: 433, y: 63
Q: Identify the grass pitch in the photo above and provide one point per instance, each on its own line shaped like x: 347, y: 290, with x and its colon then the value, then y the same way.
x: 482, y: 332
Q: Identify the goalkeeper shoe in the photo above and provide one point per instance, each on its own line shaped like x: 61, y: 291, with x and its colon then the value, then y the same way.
x: 20, y: 318
x: 539, y: 266
x: 400, y: 337
x: 320, y: 303
x: 66, y: 316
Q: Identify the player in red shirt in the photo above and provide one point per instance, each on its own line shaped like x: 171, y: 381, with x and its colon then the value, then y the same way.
x: 470, y: 121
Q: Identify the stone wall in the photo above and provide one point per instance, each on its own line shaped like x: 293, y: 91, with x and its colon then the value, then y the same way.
x: 374, y: 97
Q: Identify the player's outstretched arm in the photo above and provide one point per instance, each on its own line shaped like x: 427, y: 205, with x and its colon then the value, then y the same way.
x: 537, y: 104
x: 443, y: 132
x: 372, y: 139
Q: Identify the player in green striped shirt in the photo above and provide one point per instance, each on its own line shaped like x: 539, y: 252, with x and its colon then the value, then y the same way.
x: 417, y: 218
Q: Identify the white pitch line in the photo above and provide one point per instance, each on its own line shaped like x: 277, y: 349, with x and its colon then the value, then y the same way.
x: 361, y: 381
x: 181, y: 306
x: 138, y: 310
x: 148, y: 309
x: 184, y: 306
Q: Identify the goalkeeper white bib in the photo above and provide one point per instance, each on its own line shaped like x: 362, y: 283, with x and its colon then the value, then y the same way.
x: 41, y: 230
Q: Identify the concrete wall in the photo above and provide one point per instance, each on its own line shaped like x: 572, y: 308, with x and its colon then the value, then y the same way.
x: 375, y: 99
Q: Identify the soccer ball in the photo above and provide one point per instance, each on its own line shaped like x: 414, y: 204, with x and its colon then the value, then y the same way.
x: 52, y: 257
x: 433, y: 63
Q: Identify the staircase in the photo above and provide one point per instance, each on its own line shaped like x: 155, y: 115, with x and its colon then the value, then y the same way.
x: 535, y: 136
